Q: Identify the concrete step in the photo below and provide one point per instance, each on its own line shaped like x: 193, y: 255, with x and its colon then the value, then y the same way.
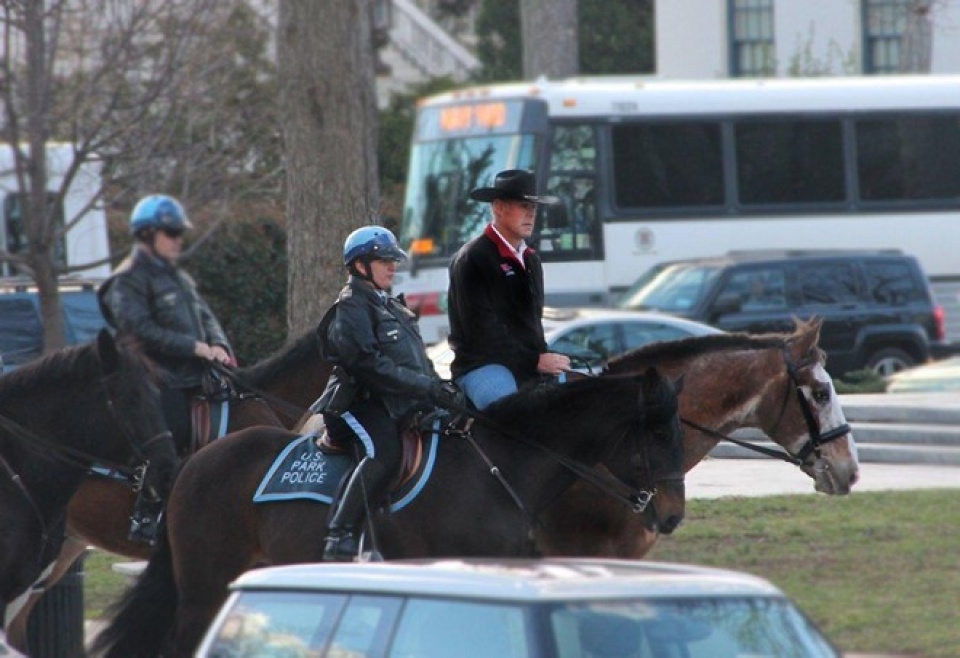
x: 906, y: 433
x: 925, y: 408
x: 868, y: 453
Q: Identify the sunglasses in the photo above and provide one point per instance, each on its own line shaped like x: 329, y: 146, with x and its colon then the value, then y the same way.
x: 172, y: 232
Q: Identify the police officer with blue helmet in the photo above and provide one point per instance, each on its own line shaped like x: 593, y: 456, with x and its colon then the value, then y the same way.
x: 152, y: 300
x: 382, y: 376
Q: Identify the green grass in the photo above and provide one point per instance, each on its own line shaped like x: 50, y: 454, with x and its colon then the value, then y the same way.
x: 878, y: 571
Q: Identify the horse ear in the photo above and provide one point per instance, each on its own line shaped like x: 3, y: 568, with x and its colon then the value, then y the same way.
x: 678, y: 384
x: 108, y: 352
x: 805, y: 338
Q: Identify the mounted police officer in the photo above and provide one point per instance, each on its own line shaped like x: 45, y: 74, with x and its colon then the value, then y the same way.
x: 152, y: 300
x: 381, y: 377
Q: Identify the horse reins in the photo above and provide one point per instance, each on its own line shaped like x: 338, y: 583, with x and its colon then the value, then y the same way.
x: 14, y: 477
x: 232, y: 376
x: 636, y: 499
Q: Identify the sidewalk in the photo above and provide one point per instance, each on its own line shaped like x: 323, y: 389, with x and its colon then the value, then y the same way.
x: 715, y: 478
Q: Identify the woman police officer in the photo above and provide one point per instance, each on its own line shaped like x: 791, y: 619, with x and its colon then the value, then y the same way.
x: 382, y: 376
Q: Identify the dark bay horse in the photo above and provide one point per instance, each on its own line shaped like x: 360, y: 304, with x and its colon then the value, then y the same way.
x: 215, y: 531
x: 97, y: 403
x: 99, y: 513
x: 730, y: 382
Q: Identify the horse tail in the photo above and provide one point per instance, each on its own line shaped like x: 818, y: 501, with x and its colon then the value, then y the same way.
x: 142, y: 620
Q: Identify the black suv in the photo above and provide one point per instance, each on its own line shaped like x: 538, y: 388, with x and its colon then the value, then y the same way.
x: 877, y: 307
x: 21, y: 329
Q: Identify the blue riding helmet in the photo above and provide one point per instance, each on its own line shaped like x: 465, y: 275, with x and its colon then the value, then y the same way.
x: 374, y: 242
x: 159, y: 211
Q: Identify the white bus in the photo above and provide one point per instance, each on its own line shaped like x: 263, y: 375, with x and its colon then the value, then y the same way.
x: 650, y: 171
x: 85, y: 242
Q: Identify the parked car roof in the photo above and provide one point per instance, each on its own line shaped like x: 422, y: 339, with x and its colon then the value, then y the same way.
x: 516, y: 580
x: 568, y: 330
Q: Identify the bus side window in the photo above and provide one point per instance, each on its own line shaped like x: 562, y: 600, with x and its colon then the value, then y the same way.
x: 572, y: 224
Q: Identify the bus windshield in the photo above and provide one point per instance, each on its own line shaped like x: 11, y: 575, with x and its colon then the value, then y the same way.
x: 675, y: 288
x: 438, y: 215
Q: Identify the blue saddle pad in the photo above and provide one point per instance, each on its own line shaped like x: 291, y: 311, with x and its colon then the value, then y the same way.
x: 303, y: 472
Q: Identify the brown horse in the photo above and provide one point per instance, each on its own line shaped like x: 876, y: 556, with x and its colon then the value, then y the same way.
x: 59, y: 415
x: 776, y: 383
x: 215, y: 531
x: 99, y: 513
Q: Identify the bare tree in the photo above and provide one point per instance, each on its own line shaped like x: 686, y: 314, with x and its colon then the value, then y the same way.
x: 129, y: 84
x: 326, y: 68
x: 550, y: 39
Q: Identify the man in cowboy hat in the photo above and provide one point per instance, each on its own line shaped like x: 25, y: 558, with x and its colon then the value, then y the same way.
x: 495, y: 299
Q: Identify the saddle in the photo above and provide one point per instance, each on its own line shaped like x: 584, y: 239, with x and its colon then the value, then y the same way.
x: 413, y: 436
x: 207, y: 409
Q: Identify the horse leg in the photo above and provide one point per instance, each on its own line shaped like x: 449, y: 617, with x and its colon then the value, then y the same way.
x: 17, y: 628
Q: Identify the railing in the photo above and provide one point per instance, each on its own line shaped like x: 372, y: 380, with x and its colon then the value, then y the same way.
x: 426, y: 46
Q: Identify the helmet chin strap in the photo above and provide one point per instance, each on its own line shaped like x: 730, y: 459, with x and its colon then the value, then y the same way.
x: 355, y: 271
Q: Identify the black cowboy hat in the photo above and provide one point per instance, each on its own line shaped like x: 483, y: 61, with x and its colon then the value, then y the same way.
x: 513, y: 185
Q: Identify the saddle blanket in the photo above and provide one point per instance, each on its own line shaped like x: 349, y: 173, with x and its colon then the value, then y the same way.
x: 303, y: 471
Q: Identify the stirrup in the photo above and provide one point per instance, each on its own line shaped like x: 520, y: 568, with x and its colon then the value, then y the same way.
x: 340, y: 546
x: 143, y: 528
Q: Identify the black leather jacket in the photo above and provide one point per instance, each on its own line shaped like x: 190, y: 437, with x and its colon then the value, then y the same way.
x: 159, y: 304
x: 375, y: 342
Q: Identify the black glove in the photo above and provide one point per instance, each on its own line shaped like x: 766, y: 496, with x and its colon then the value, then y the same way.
x: 447, y: 395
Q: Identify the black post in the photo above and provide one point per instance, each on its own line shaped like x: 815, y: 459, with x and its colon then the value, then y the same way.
x: 55, y: 628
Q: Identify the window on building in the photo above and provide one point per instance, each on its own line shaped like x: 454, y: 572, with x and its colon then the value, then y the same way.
x: 751, y: 39
x: 884, y: 24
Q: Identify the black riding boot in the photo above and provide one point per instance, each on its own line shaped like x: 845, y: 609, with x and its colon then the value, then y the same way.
x: 367, y: 484
x: 342, y: 543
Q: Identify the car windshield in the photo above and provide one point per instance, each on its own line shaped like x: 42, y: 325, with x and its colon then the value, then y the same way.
x: 673, y: 288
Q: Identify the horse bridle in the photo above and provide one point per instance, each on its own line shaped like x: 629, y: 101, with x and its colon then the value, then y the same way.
x: 817, y: 439
x: 79, y: 458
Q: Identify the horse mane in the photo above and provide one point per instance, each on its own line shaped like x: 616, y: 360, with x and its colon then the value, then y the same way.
x: 303, y: 349
x: 79, y: 363
x: 526, y: 409
x: 696, y: 346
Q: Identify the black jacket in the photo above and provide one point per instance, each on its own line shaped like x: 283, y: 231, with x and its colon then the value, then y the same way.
x: 495, y: 307
x: 159, y: 304
x: 375, y: 341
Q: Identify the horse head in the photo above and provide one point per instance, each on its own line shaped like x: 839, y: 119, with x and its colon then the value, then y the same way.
x: 656, y: 456
x: 808, y: 420
x: 132, y: 399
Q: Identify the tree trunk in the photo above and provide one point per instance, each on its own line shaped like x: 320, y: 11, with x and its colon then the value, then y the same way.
x: 549, y: 29
x: 329, y: 122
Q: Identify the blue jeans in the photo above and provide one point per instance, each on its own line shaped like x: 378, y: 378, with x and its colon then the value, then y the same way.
x: 487, y: 384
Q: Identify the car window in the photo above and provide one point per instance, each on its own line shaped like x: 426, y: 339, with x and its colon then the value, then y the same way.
x: 637, y: 334
x: 291, y: 624
x: 676, y: 288
x: 441, y: 629
x: 83, y: 315
x: 365, y: 627
x: 757, y: 289
x: 592, y: 345
x: 827, y: 283
x: 20, y: 330
x: 693, y: 628
x: 892, y: 282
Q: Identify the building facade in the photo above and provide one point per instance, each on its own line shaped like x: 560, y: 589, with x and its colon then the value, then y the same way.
x: 779, y: 38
